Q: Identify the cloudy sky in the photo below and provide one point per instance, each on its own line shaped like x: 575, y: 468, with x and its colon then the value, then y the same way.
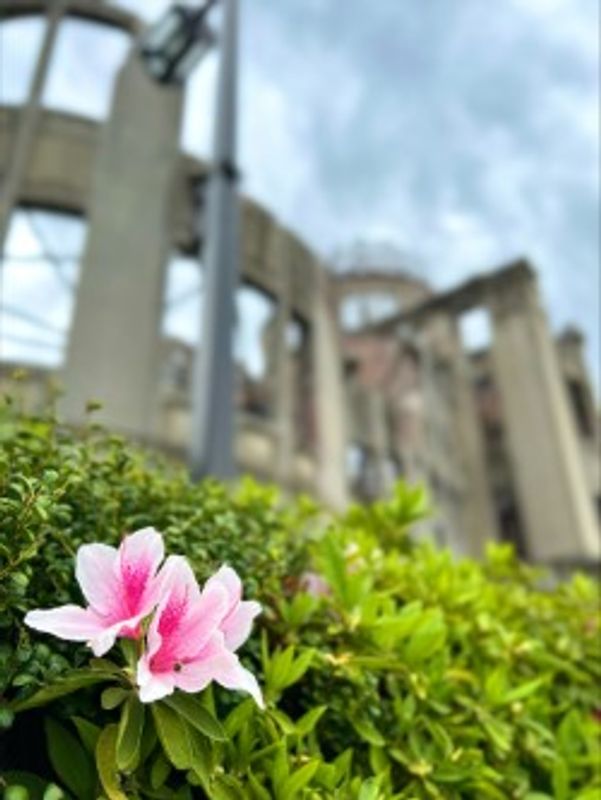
x: 463, y: 132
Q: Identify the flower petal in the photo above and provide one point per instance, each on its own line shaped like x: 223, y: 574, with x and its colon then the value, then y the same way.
x: 237, y: 626
x: 103, y: 641
x: 230, y: 580
x: 69, y: 622
x: 195, y: 675
x: 232, y: 675
x: 95, y: 571
x: 153, y: 686
x: 140, y: 555
x: 225, y: 668
x: 202, y: 621
x: 177, y: 575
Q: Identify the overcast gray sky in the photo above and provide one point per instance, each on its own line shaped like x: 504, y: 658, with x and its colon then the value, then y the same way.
x: 463, y: 131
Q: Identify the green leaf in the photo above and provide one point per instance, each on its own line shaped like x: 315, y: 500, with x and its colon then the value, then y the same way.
x: 259, y: 792
x: 54, y: 792
x: 16, y: 792
x: 523, y: 691
x: 370, y: 789
x: 368, y: 732
x: 173, y: 736
x: 69, y: 759
x: 390, y: 629
x: 88, y: 733
x: 299, y: 667
x: 428, y: 637
x: 226, y: 787
x: 32, y: 784
x: 129, y: 736
x: 299, y: 779
x: 202, y: 755
x: 286, y: 724
x: 561, y: 780
x: 281, y: 664
x: 308, y: 721
x: 78, y: 679
x: 495, y: 686
x: 239, y: 717
x: 334, y: 566
x: 280, y: 768
x: 193, y: 711
x: 106, y: 756
x: 159, y: 772
x: 113, y: 697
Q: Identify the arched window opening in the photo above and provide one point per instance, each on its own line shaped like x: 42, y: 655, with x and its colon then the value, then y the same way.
x: 39, y: 273
x: 366, y: 308
x: 84, y: 65
x: 182, y: 310
x: 20, y: 42
x: 299, y: 349
x: 255, y: 349
x: 476, y: 329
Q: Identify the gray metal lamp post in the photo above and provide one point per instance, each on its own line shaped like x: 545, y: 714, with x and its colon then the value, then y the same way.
x: 212, y: 434
x: 168, y: 46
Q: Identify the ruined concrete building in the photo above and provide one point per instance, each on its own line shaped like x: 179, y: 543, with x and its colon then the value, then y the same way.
x: 346, y: 381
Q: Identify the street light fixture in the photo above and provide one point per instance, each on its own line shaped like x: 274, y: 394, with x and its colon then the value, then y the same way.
x: 175, y: 44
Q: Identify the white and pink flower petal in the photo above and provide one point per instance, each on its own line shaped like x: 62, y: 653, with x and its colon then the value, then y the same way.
x: 230, y: 673
x: 231, y: 582
x: 140, y: 556
x: 69, y: 622
x: 96, y: 573
x: 153, y: 686
x: 202, y: 621
x: 237, y: 625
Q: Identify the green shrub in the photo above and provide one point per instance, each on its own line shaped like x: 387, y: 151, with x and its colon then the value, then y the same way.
x: 413, y: 675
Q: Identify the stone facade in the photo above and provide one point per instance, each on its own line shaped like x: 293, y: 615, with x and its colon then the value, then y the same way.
x: 365, y: 376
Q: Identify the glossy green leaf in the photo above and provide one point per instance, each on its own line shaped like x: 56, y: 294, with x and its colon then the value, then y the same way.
x: 193, y: 711
x: 73, y: 682
x: 129, y: 736
x: 106, y: 763
x: 173, y: 735
x: 297, y: 780
x: 113, y: 697
x: 69, y: 760
x: 88, y: 733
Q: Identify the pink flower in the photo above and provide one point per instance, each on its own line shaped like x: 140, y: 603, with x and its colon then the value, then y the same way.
x: 237, y: 621
x: 312, y: 583
x: 187, y: 640
x: 121, y: 586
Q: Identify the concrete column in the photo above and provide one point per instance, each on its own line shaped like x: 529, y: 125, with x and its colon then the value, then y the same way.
x: 329, y: 398
x: 282, y: 379
x: 479, y: 520
x: 28, y: 120
x: 551, y: 483
x: 113, y: 353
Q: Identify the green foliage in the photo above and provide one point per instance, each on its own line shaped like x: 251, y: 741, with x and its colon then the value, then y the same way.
x: 413, y: 676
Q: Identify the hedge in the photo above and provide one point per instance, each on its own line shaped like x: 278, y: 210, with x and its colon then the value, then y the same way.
x: 390, y: 668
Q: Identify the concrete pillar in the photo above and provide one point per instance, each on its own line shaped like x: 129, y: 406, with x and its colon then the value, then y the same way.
x: 329, y: 398
x: 479, y: 520
x: 113, y: 353
x: 557, y: 509
x: 282, y: 379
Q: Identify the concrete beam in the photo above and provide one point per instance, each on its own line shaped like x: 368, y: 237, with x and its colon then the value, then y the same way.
x: 91, y: 10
